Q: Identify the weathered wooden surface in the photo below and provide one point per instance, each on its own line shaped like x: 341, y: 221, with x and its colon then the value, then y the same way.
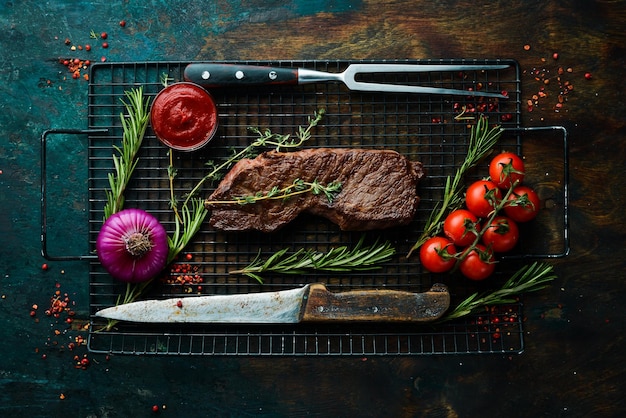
x: 574, y: 360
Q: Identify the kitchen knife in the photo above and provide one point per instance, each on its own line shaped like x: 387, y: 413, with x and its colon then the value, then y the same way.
x: 212, y: 75
x: 311, y: 303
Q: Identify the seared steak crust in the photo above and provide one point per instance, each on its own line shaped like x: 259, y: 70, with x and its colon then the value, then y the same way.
x: 378, y: 189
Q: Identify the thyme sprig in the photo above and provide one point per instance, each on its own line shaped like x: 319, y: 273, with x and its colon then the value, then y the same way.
x: 134, y: 126
x: 266, y: 139
x: 529, y: 278
x: 297, y: 187
x: 338, y: 259
x: 285, y: 141
x: 482, y: 139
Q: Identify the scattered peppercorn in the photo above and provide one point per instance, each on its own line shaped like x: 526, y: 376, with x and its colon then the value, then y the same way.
x: 588, y: 76
x: 184, y: 274
x: 122, y: 23
x: 105, y: 44
x: 104, y: 35
x: 44, y: 266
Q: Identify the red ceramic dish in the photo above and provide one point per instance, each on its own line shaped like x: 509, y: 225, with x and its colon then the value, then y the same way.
x: 184, y: 116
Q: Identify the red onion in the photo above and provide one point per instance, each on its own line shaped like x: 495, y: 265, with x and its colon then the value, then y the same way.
x: 132, y: 245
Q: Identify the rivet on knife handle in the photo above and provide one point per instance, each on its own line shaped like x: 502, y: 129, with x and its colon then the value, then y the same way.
x: 375, y: 305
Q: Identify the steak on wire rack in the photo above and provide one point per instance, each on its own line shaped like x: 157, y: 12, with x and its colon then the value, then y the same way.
x: 378, y: 189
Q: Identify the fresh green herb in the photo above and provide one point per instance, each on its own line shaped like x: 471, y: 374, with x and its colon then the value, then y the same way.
x: 266, y: 139
x: 188, y: 222
x: 530, y: 278
x: 482, y: 140
x: 165, y: 79
x: 134, y: 127
x: 339, y: 259
x: 280, y: 141
x: 298, y: 187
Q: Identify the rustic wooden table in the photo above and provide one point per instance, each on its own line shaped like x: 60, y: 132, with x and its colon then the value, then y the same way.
x: 573, y: 363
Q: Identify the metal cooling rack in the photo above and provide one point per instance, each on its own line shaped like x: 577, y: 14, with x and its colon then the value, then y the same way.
x: 432, y: 129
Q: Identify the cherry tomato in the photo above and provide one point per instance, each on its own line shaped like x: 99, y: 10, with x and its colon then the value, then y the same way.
x: 437, y: 254
x: 481, y: 197
x: 523, y: 204
x: 478, y: 264
x: 506, y: 168
x: 501, y: 234
x: 461, y: 226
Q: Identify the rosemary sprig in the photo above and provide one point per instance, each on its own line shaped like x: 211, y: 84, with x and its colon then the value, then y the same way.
x: 529, y: 278
x: 134, y: 127
x: 187, y: 224
x: 339, y: 259
x: 298, y: 187
x: 482, y: 140
x: 266, y: 139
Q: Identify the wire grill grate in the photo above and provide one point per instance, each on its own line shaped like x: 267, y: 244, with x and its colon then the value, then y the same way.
x: 422, y: 127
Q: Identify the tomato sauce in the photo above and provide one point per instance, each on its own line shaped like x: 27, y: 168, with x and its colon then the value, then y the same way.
x: 184, y: 116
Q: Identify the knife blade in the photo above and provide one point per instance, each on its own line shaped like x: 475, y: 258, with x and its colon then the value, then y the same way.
x: 213, y: 75
x: 311, y: 303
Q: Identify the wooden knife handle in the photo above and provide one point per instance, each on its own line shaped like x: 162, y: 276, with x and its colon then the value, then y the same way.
x: 223, y: 75
x: 375, y: 305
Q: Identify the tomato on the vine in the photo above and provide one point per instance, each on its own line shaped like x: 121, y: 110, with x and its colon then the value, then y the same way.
x: 437, y: 254
x: 501, y: 234
x: 523, y: 204
x: 481, y: 197
x: 461, y: 226
x: 505, y: 169
x: 478, y: 264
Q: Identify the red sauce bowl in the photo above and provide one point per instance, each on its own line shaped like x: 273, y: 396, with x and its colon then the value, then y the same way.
x: 184, y: 116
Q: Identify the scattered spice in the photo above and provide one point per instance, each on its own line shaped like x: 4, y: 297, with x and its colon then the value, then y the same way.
x: 495, y: 322
x: 66, y: 331
x: 552, y: 85
x: 77, y: 64
x: 185, y: 275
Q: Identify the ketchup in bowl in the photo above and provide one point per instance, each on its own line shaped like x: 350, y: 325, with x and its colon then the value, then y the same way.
x: 184, y: 116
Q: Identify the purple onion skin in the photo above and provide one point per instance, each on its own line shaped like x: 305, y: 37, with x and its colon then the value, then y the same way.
x: 113, y: 251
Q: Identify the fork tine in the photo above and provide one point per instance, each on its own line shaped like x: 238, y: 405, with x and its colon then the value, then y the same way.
x: 349, y: 78
x: 419, y: 68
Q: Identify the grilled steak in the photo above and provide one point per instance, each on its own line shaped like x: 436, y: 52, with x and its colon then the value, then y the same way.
x: 378, y: 189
